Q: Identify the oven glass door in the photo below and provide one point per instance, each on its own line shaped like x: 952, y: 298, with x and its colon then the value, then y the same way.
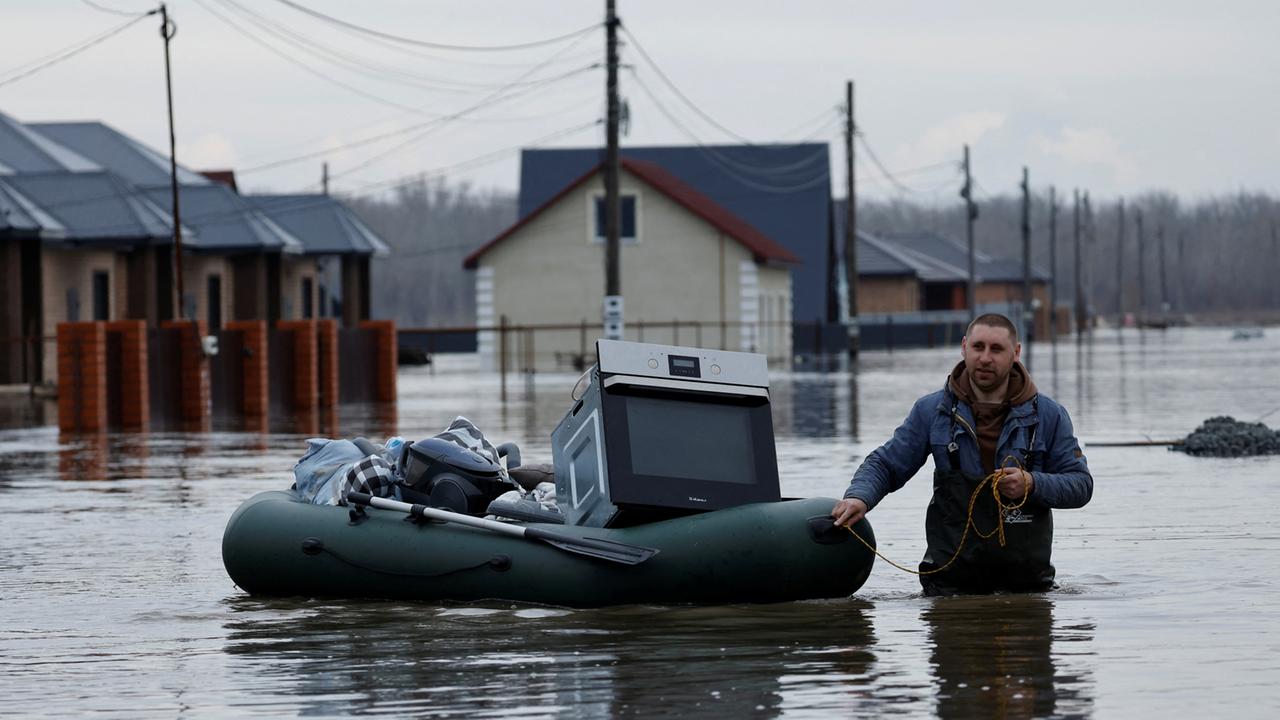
x: 675, y: 448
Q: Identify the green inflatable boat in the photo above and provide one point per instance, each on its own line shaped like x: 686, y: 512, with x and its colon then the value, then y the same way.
x: 276, y: 545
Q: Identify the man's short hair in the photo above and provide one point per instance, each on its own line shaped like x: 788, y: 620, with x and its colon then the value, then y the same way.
x: 994, y: 320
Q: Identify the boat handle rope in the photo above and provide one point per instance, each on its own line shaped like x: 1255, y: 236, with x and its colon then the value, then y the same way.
x: 993, y: 481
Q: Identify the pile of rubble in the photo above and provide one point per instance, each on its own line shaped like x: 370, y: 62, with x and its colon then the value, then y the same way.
x: 1224, y: 436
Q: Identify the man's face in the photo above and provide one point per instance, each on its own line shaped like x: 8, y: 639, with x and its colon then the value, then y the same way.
x: 989, y: 354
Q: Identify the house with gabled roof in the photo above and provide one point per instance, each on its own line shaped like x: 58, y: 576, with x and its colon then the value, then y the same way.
x: 683, y: 257
x: 782, y: 190
x: 249, y: 267
x: 339, y: 242
x: 73, y: 230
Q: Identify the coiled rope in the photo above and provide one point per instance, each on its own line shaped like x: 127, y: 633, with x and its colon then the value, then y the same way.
x: 992, y: 480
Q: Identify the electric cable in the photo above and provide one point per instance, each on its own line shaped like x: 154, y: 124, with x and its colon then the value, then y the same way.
x: 359, y: 64
x: 494, y: 97
x: 736, y: 171
x: 788, y: 171
x: 113, y: 11
x: 684, y: 98
x: 67, y: 52
x: 861, y: 137
x: 309, y: 201
x: 434, y: 125
x: 306, y: 68
x: 435, y: 45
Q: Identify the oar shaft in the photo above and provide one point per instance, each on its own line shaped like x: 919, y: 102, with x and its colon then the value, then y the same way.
x: 447, y: 516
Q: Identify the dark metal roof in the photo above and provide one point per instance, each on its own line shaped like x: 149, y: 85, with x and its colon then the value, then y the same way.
x: 23, y: 150
x: 117, y: 152
x: 783, y: 191
x: 927, y: 255
x: 321, y: 223
x: 762, y: 248
x: 988, y: 268
x: 92, y: 208
x: 225, y: 221
x: 876, y: 260
x: 20, y: 217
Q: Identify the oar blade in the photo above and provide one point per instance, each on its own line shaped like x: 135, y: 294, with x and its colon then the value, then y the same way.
x: 598, y: 548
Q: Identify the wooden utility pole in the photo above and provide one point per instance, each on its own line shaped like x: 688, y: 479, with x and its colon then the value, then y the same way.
x: 1142, y: 288
x: 1164, y: 286
x: 1120, y: 265
x: 851, y: 220
x: 167, y: 31
x: 1027, y: 311
x: 1053, y: 264
x: 324, y: 178
x: 971, y: 214
x: 1090, y: 238
x: 1079, y: 281
x: 613, y: 309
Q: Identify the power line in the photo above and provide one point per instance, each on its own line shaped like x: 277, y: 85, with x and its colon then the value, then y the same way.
x: 113, y: 11
x: 285, y: 56
x: 364, y: 65
x: 67, y: 52
x: 424, y: 126
x: 309, y: 202
x: 737, y: 170
x: 875, y: 159
x: 684, y: 98
x: 435, y: 45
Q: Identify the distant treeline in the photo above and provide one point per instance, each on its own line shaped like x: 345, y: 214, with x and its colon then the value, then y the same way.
x: 1220, y: 254
x: 431, y: 227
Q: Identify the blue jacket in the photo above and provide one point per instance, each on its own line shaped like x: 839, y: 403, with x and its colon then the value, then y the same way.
x: 1062, y: 478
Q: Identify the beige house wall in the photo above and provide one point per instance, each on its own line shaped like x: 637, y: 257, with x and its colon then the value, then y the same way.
x: 62, y: 269
x: 680, y: 268
x: 196, y: 270
x: 887, y: 295
x: 293, y: 270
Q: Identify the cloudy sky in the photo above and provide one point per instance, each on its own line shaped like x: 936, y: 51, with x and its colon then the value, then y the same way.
x: 1118, y: 98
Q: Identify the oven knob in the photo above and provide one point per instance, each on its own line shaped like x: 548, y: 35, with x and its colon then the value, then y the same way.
x: 653, y: 363
x: 715, y: 369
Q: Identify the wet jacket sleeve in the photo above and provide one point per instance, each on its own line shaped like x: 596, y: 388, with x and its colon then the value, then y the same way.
x: 1065, y: 481
x: 891, y: 465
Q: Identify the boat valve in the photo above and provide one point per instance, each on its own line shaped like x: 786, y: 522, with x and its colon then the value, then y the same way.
x: 312, y: 546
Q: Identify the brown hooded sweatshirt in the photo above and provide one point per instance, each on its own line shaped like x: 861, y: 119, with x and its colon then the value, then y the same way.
x: 989, y: 417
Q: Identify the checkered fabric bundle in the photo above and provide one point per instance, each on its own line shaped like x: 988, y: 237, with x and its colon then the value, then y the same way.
x: 372, y: 475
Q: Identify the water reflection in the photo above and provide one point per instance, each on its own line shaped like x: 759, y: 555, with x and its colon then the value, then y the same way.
x: 734, y: 662
x: 994, y: 657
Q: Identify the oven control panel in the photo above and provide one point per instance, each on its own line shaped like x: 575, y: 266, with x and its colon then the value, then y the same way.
x: 620, y: 357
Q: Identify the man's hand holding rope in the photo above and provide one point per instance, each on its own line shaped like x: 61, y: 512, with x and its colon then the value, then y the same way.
x: 1015, y: 483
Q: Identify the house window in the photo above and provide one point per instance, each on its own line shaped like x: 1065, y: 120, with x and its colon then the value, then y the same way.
x: 215, y: 302
x: 626, y: 221
x: 101, y: 295
x: 306, y: 298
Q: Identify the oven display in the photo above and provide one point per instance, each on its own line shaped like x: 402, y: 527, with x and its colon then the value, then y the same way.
x: 683, y: 366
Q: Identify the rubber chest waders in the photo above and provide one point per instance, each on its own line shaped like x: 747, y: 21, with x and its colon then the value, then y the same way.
x: 983, y: 566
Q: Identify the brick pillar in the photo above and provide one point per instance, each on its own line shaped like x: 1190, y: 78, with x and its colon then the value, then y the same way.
x: 306, y: 378
x: 327, y: 355
x: 255, y: 402
x: 195, y: 404
x: 134, y: 382
x: 82, y: 377
x: 384, y: 358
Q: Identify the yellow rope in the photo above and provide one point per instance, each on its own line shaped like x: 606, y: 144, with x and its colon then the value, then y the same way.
x: 994, y: 481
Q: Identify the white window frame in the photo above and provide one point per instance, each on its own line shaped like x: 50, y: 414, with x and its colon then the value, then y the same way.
x: 594, y: 239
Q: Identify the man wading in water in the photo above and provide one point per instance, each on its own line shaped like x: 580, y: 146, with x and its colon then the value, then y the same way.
x: 987, y: 418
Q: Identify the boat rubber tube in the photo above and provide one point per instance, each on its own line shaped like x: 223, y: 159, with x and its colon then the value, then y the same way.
x: 766, y: 552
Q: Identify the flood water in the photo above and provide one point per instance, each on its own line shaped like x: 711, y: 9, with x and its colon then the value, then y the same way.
x: 115, y: 601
